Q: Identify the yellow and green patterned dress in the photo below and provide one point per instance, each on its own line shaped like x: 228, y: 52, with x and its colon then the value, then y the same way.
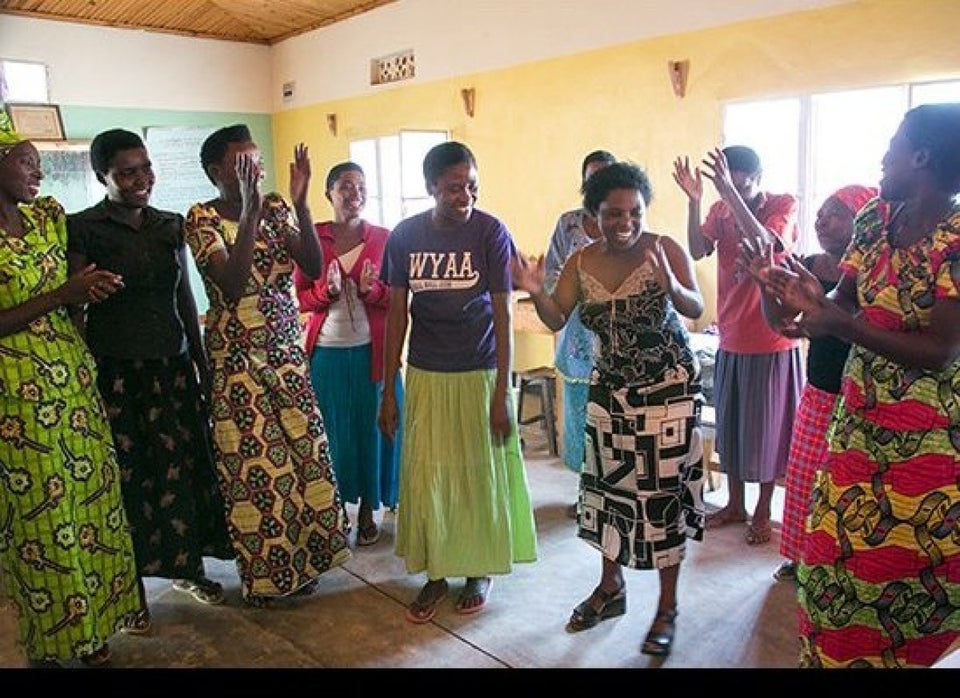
x: 65, y: 549
x: 284, y: 512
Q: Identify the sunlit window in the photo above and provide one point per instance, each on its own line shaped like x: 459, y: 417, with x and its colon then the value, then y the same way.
x: 772, y: 128
x: 393, y: 166
x: 814, y: 144
x: 23, y: 81
x: 850, y: 132
x: 934, y: 92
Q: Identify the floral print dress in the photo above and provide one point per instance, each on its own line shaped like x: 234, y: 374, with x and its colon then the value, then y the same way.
x: 65, y: 549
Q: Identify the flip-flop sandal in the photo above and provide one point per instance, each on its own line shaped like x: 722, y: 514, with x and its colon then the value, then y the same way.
x: 203, y: 590
x: 477, y: 588
x: 422, y: 610
x: 786, y: 571
x: 757, y: 535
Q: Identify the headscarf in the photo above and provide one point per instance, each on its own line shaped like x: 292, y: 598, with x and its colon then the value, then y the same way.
x: 8, y: 137
x: 855, y: 196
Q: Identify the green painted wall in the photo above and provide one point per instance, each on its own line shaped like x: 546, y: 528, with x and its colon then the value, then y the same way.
x: 84, y: 123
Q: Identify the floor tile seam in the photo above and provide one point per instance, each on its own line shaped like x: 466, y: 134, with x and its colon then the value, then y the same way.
x: 449, y: 631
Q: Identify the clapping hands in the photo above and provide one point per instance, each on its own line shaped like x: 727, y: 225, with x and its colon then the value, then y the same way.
x: 334, y: 281
x: 368, y: 274
x: 91, y: 285
x: 797, y: 292
x: 249, y: 174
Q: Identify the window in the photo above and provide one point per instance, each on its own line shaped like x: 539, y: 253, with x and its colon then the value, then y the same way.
x: 814, y: 144
x: 393, y: 166
x: 23, y: 81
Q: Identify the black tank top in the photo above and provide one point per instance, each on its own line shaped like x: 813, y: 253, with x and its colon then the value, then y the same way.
x: 825, y: 355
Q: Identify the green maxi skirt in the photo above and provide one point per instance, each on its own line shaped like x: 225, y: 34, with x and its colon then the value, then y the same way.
x: 464, y: 506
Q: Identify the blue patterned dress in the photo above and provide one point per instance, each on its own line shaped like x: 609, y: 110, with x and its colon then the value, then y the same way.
x: 576, y: 344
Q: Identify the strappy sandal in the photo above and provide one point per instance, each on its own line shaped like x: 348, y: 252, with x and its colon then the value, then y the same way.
x: 202, y: 589
x: 786, y: 572
x: 658, y: 643
x: 612, y: 604
x: 98, y: 658
x: 137, y: 624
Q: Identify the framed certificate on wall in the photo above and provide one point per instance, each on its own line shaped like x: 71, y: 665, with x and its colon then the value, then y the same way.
x: 38, y: 122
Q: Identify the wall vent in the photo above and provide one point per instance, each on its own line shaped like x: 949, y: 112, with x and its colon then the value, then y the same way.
x: 393, y: 68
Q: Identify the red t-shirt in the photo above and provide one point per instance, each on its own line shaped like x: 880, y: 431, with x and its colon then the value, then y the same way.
x: 739, y: 316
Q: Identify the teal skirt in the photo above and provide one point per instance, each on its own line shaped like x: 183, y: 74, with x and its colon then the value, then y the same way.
x: 464, y: 506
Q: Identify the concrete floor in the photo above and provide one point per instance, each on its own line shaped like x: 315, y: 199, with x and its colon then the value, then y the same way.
x: 732, y: 613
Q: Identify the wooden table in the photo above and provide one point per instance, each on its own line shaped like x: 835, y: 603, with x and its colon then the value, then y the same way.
x: 525, y: 319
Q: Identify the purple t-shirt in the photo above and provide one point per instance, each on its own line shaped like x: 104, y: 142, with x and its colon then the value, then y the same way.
x: 451, y: 273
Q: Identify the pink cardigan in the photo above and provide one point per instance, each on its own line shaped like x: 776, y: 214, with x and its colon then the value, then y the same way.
x: 312, y: 293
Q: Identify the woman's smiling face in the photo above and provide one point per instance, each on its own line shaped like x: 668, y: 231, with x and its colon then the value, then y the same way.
x: 621, y: 217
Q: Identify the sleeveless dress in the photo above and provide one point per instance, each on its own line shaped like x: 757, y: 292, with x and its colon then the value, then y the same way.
x: 642, y: 483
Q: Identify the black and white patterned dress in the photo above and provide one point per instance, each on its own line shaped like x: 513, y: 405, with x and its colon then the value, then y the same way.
x: 642, y: 482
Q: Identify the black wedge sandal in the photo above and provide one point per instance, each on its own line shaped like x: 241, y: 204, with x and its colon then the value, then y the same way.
x: 659, y: 643
x: 585, y: 615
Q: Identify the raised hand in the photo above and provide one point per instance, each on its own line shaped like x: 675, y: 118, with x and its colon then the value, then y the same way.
x: 249, y: 175
x: 368, y: 274
x: 718, y: 171
x: 300, y: 175
x: 529, y: 273
x: 690, y: 182
x: 90, y: 285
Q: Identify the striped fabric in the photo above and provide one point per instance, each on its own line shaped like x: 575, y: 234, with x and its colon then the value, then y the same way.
x: 880, y: 567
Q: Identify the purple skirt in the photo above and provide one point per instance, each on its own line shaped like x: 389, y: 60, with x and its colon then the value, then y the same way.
x: 756, y: 397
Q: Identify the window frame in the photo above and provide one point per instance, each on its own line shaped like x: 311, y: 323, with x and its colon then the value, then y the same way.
x: 806, y: 142
x: 376, y: 210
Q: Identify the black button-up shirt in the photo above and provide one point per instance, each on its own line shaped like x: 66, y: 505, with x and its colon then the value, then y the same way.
x: 141, y: 321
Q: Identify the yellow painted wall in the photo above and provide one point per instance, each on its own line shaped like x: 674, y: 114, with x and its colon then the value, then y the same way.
x: 534, y: 123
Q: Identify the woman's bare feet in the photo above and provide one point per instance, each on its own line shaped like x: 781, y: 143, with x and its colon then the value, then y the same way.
x: 725, y: 516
